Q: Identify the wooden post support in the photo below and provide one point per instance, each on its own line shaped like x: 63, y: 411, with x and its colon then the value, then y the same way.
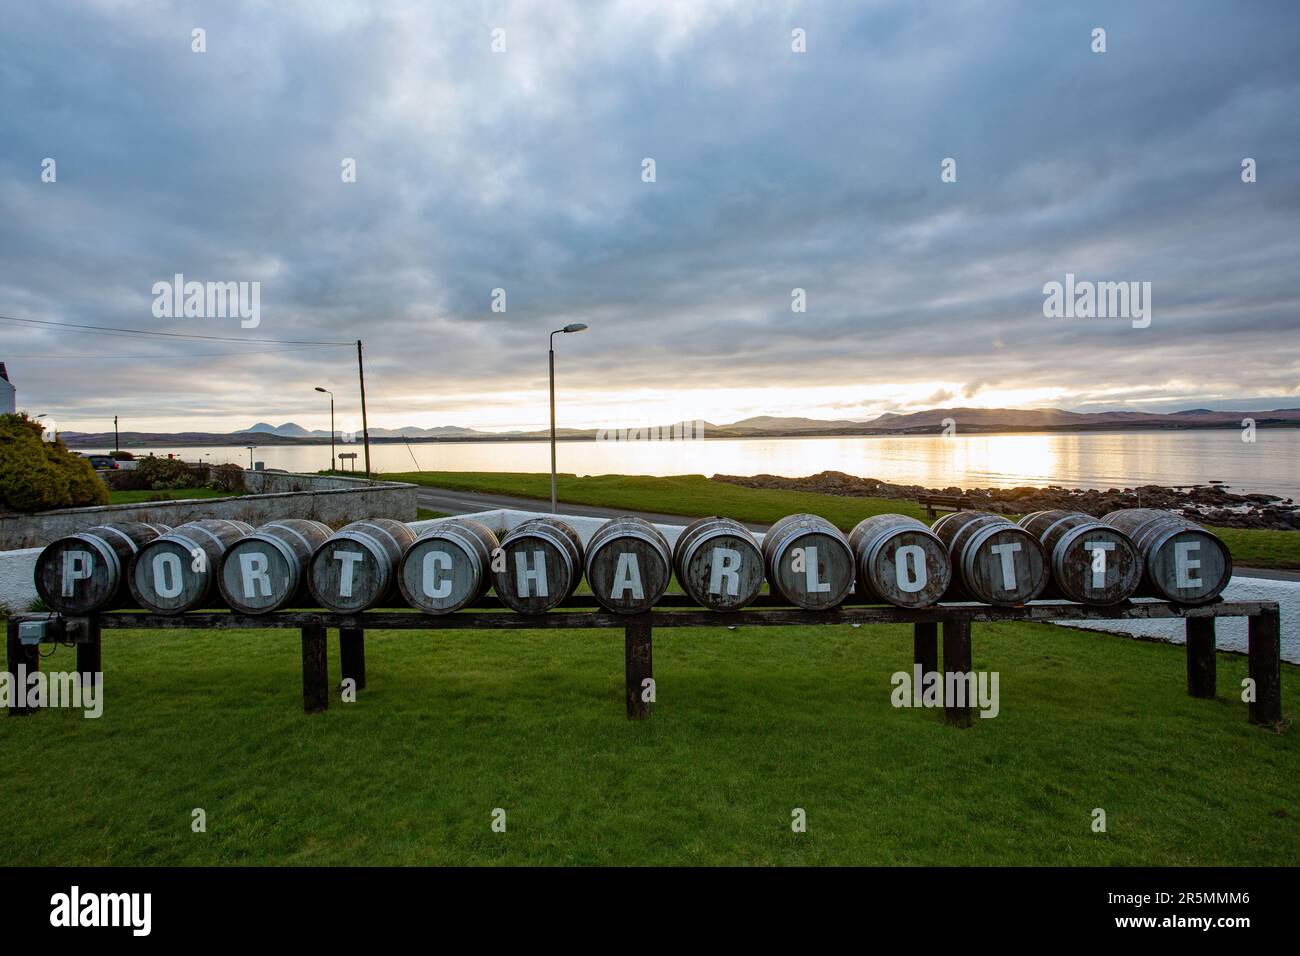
x: 1265, y: 667
x: 90, y: 649
x: 925, y: 648
x: 636, y: 652
x: 957, y: 661
x: 352, y: 655
x: 1200, y: 656
x: 315, y: 668
x: 21, y: 662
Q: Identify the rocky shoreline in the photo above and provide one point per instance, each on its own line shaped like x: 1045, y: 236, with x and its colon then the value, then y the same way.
x: 1210, y: 504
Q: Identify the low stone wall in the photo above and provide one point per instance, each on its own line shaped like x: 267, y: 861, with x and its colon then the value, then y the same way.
x: 335, y: 501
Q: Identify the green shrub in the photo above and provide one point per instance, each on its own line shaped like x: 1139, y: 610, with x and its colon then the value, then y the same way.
x: 36, y: 475
x: 227, y: 478
x: 122, y: 455
x: 163, y: 474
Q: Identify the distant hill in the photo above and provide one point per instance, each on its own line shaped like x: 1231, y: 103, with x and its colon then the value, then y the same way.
x: 930, y: 421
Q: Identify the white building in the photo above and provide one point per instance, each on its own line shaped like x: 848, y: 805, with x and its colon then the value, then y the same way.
x: 8, y: 394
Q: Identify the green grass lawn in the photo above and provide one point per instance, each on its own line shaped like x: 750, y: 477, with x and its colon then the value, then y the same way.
x: 696, y: 495
x: 173, y: 494
x: 749, y: 725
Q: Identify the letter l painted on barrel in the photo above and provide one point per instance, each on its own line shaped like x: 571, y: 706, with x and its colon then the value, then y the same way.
x: 812, y: 581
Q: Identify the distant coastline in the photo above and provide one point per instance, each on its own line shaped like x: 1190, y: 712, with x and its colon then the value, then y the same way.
x: 128, y: 440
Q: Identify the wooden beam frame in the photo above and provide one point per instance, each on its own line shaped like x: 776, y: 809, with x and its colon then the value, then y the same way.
x: 676, y: 610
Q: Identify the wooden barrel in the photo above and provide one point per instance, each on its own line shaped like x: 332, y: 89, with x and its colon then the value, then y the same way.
x: 355, y: 569
x: 86, y: 572
x: 719, y: 563
x: 1181, y: 561
x: 900, y: 561
x: 267, y: 570
x: 1090, y: 562
x: 808, y: 562
x: 448, y: 566
x: 993, y: 560
x: 629, y: 565
x: 177, y: 572
x: 541, y: 566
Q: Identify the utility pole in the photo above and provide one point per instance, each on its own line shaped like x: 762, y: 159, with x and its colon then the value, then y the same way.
x: 116, y: 444
x: 365, y: 430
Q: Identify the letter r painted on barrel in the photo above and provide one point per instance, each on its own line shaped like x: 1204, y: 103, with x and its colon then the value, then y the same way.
x: 726, y: 564
x: 252, y: 573
x: 77, y: 566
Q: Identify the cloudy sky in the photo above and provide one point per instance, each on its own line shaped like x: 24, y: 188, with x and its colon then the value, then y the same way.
x: 522, y: 170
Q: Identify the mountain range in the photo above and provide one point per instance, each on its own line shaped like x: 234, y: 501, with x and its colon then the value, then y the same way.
x: 763, y: 426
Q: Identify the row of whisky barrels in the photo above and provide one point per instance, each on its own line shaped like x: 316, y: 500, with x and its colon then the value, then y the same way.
x: 806, y: 560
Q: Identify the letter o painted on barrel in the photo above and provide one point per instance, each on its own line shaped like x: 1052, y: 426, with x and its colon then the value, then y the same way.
x: 177, y: 572
x: 900, y: 561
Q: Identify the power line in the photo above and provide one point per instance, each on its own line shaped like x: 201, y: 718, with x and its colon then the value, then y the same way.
x: 192, y: 336
x: 55, y: 356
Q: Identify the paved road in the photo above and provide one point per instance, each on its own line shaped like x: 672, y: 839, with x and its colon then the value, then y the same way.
x: 452, y: 502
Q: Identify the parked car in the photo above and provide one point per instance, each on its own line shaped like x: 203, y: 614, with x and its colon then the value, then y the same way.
x: 102, y: 462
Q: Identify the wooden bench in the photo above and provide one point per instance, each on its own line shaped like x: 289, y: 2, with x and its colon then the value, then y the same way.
x: 933, y: 504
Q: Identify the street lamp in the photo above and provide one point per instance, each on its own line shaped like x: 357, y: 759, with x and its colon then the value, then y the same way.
x: 572, y: 327
x: 250, y: 456
x: 331, y: 395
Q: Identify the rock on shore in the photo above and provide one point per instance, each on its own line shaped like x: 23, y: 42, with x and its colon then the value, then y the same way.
x: 1206, y: 503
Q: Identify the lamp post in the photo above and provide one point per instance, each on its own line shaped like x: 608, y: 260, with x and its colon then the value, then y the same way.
x: 250, y: 456
x: 331, y: 395
x: 572, y: 327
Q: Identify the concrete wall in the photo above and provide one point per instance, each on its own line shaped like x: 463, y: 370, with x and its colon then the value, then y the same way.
x: 335, y: 501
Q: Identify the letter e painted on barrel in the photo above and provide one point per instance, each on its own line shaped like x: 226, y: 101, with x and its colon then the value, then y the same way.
x: 1185, y: 564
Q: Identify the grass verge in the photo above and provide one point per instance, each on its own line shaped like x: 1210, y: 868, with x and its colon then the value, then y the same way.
x: 749, y: 725
x: 695, y: 495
